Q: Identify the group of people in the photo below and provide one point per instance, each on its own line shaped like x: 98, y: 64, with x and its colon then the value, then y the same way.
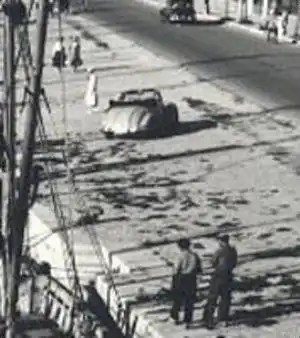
x: 277, y: 24
x: 60, y: 59
x: 184, y: 283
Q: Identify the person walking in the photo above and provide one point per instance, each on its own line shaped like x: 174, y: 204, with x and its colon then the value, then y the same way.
x: 272, y: 25
x: 224, y: 261
x: 75, y: 53
x: 207, y: 6
x: 91, y: 94
x: 184, y: 283
x: 284, y: 22
x: 63, y: 6
x: 59, y: 54
x: 51, y: 7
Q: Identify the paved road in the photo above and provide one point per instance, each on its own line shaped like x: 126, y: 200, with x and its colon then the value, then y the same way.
x: 234, y: 59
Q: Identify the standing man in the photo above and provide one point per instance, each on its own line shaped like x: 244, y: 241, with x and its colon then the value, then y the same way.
x: 224, y: 261
x: 184, y: 282
x: 207, y: 6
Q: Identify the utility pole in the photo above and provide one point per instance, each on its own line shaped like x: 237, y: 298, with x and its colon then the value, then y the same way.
x: 9, y: 139
x: 226, y: 9
x: 240, y: 11
x: 297, y: 24
x: 20, y: 214
x: 3, y: 196
x: 265, y: 9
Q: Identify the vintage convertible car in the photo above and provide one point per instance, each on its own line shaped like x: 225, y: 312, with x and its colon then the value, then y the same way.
x: 178, y: 11
x: 139, y: 113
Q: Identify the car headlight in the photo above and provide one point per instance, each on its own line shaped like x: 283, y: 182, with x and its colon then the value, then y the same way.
x: 133, y: 129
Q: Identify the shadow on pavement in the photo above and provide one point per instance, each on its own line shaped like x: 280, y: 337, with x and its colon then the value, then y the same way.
x: 196, y: 22
x: 266, y: 311
x: 182, y: 129
x: 87, y: 35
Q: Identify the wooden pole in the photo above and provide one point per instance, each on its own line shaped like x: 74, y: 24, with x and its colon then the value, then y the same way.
x: 9, y: 138
x: 22, y: 202
x: 297, y: 24
x: 3, y: 196
x: 265, y: 9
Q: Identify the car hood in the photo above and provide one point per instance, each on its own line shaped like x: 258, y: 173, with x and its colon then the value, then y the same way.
x: 126, y: 120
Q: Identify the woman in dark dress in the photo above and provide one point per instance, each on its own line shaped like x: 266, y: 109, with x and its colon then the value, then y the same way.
x: 75, y: 54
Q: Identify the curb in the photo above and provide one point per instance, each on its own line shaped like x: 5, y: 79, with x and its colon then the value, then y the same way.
x: 250, y: 28
x: 253, y: 29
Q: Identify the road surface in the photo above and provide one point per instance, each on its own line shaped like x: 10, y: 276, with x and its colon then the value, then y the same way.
x: 236, y: 60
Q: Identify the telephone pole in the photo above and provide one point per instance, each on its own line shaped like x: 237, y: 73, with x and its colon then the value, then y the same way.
x: 16, y: 221
x: 9, y: 140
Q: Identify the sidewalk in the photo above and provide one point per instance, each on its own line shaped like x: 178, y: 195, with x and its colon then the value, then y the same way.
x: 253, y: 24
x: 256, y: 23
x: 236, y: 178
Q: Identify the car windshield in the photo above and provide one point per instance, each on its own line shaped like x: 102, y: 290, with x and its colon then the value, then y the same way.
x: 139, y: 96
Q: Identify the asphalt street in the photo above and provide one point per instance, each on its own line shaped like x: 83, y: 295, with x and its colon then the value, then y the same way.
x: 236, y: 60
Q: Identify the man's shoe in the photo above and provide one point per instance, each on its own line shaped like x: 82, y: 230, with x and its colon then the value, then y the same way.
x: 188, y: 326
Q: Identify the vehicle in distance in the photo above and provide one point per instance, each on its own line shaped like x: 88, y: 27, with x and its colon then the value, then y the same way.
x: 178, y: 11
x: 139, y: 112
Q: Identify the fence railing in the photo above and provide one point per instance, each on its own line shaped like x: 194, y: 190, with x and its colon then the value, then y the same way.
x: 43, y: 294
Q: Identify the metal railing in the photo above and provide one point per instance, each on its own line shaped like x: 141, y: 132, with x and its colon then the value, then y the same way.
x: 51, y: 299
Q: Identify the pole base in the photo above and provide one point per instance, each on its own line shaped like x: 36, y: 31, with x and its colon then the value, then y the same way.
x: 227, y: 18
x: 295, y: 39
x: 245, y: 21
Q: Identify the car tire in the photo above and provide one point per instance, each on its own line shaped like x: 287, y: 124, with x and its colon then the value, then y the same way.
x: 163, y: 15
x: 172, y: 114
x: 109, y: 135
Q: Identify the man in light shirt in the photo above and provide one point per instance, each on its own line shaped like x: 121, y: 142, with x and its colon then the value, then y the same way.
x: 185, y: 282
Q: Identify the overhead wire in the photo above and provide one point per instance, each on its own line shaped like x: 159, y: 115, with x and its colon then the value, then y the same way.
x: 76, y: 281
x: 82, y: 205
x: 25, y: 53
x: 57, y: 204
x: 93, y: 236
x: 96, y: 243
x: 74, y: 192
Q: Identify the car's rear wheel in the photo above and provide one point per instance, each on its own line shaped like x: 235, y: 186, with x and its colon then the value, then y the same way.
x: 163, y: 15
x: 172, y: 115
x: 109, y: 135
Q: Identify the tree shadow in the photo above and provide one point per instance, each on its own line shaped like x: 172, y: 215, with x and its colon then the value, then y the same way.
x: 238, y: 57
x: 293, y: 251
x: 97, y: 307
x: 267, y: 311
x: 197, y: 22
x: 182, y: 128
x: 87, y: 35
x: 266, y: 315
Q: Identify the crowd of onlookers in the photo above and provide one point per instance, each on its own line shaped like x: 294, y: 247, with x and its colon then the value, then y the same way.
x: 277, y: 23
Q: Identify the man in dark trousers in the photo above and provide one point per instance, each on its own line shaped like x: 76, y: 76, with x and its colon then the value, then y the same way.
x: 224, y: 261
x: 207, y: 6
x: 184, y: 283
